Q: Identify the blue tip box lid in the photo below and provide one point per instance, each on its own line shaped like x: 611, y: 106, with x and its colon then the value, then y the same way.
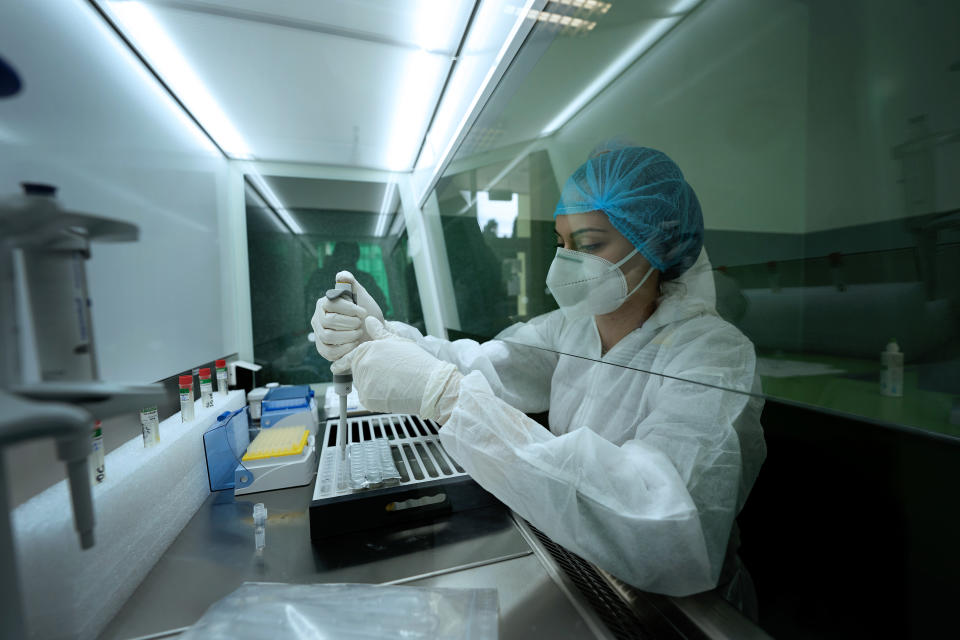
x: 224, y: 445
x: 291, y: 397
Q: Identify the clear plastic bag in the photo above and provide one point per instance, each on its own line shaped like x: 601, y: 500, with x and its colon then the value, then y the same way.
x: 349, y: 611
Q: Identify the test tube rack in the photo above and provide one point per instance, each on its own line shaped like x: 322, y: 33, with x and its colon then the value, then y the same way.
x: 432, y: 485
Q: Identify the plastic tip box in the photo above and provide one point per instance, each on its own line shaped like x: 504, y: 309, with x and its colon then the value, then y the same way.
x: 286, y: 398
x: 281, y: 402
x: 277, y: 443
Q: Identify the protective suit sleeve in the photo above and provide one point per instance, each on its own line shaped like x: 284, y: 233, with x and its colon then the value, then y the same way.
x: 623, y: 508
x: 708, y: 425
x: 517, y: 364
x: 655, y: 511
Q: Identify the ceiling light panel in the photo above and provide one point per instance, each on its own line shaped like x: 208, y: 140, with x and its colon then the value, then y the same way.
x: 327, y: 195
x: 436, y: 25
x: 538, y: 97
x: 274, y: 203
x: 644, y: 40
x: 493, y: 29
x: 156, y: 44
x: 274, y: 92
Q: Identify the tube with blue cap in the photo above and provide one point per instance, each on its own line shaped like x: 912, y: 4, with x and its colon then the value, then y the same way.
x: 342, y: 382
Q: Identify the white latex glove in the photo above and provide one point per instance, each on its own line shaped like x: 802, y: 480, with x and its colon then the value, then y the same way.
x: 394, y: 375
x: 364, y: 299
x: 338, y: 324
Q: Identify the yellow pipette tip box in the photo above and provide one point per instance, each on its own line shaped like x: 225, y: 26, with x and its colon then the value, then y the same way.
x: 277, y: 442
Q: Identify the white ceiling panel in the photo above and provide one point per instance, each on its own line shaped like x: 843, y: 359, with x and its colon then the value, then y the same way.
x: 317, y: 82
x: 329, y: 195
x: 435, y: 25
x: 549, y: 82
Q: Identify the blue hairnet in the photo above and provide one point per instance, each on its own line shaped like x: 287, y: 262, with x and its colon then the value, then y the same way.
x: 646, y: 198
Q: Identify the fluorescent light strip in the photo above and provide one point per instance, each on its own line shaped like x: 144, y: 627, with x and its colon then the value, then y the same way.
x: 158, y: 48
x: 561, y: 19
x: 381, y: 229
x: 615, y: 68
x: 422, y: 76
x: 388, y: 194
x: 589, y: 5
x: 109, y: 30
x: 274, y: 203
x: 521, y: 17
x: 684, y: 6
x: 397, y: 226
x: 260, y: 202
x: 431, y: 26
x: 385, y: 209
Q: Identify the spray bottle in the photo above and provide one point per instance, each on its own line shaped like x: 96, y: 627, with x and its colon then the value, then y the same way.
x: 342, y: 382
x: 891, y: 370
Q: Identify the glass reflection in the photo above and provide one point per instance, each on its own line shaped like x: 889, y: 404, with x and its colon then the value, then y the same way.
x: 820, y: 138
x: 343, y: 225
x: 346, y: 256
x: 497, y: 223
x: 822, y: 160
x: 823, y: 141
x: 652, y: 399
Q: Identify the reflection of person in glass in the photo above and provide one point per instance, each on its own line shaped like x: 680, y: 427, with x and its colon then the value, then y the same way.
x: 654, y: 443
x: 343, y: 258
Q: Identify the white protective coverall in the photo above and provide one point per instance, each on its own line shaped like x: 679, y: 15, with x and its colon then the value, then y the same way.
x: 652, y: 448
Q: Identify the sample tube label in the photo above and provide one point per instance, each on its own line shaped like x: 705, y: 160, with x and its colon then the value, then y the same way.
x: 206, y: 392
x: 150, y: 425
x: 222, y: 381
x: 186, y: 405
x: 97, y: 461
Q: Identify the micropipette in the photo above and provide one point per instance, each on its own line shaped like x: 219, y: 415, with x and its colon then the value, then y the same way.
x: 342, y: 382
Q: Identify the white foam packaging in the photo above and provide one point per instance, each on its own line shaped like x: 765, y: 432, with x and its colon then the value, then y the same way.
x: 148, y: 496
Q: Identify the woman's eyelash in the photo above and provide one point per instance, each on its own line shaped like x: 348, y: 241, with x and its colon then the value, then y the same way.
x: 582, y: 247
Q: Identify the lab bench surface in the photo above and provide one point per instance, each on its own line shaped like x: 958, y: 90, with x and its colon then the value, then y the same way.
x: 488, y: 547
x: 215, y: 554
x: 853, y: 390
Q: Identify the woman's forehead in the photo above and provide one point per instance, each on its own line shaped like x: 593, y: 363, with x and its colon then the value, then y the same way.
x: 572, y: 222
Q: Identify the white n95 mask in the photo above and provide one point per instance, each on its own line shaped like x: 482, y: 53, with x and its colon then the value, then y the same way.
x: 587, y: 285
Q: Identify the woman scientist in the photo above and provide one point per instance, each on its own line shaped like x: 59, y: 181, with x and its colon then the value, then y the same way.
x: 654, y: 443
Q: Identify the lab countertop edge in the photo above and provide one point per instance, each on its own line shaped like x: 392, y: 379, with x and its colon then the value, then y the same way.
x: 489, y: 547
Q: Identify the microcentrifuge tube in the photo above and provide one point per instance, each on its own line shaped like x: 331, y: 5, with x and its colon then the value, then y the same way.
x: 206, y: 388
x: 259, y: 526
x: 186, y: 398
x: 150, y: 425
x: 221, y: 377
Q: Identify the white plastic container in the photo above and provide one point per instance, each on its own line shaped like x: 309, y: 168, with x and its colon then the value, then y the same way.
x: 891, y: 370
x: 254, y: 399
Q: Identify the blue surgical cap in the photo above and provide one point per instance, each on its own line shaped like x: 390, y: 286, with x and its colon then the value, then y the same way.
x: 646, y: 198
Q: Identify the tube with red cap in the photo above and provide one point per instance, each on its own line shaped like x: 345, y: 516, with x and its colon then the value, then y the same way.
x: 186, y: 398
x: 221, y: 377
x: 206, y: 388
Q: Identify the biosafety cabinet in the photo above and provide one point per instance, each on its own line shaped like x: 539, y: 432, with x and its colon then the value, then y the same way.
x: 254, y: 150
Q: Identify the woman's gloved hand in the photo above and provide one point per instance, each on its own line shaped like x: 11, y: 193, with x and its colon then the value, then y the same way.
x: 338, y: 324
x: 393, y: 374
